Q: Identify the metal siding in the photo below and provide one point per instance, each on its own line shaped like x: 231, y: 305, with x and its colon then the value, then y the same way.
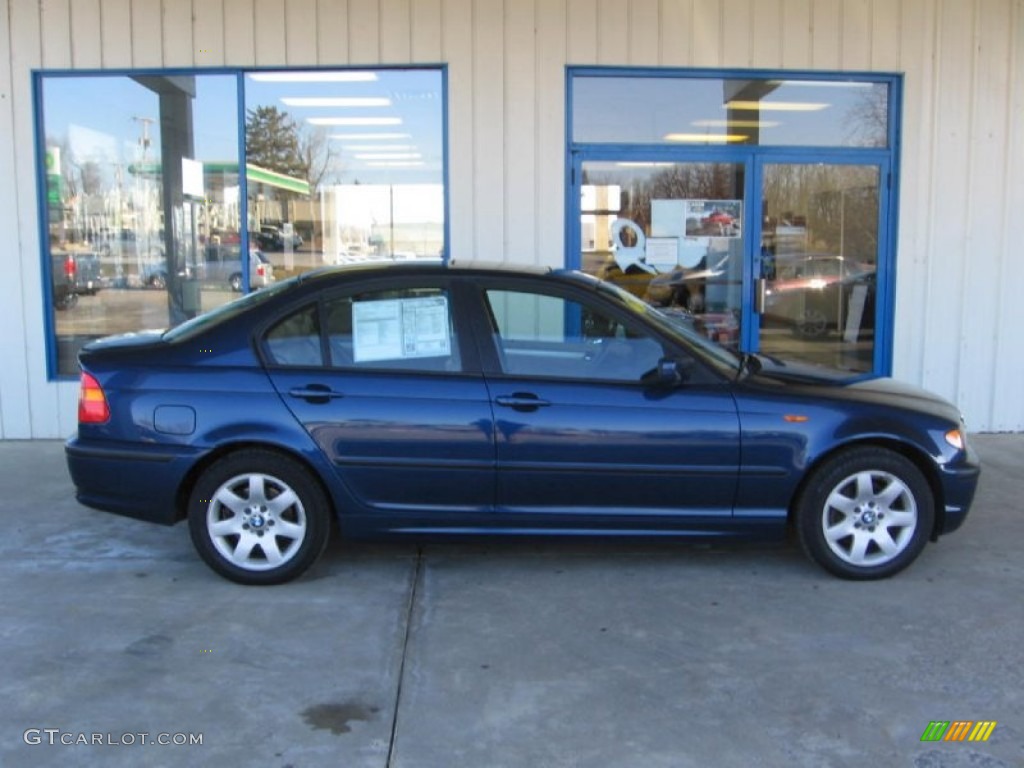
x: 1005, y: 411
x: 332, y: 31
x: 26, y: 54
x: 581, y: 31
x: 55, y: 24
x: 147, y: 41
x: 957, y: 309
x: 395, y: 30
x: 363, y: 31
x: 179, y: 48
x: 520, y: 146
x: 269, y: 28
x: 914, y: 244
x: 86, y: 43
x: 208, y: 33
x: 707, y: 33
x: 737, y: 34
x: 488, y: 141
x: 300, y: 32
x: 457, y: 35
x: 643, y: 33
x: 549, y: 157
x: 795, y: 35
x: 426, y: 31
x: 675, y: 33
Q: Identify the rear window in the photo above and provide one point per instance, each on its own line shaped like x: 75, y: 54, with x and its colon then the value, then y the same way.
x: 225, y: 312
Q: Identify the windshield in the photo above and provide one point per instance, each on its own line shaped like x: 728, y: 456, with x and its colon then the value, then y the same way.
x: 225, y: 312
x: 713, y: 354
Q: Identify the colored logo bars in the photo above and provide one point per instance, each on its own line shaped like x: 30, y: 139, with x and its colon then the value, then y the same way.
x: 958, y: 730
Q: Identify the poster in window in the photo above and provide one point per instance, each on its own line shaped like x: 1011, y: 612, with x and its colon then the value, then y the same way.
x: 397, y: 329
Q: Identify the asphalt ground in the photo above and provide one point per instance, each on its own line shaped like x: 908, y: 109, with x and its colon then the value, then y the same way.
x: 501, y: 653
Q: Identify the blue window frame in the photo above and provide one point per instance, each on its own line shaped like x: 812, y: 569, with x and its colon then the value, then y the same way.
x: 807, y: 162
x: 146, y: 218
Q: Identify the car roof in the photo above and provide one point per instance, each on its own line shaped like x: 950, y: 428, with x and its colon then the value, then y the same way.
x: 433, y: 267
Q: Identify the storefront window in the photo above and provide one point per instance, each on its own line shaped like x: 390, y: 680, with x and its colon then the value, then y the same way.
x: 344, y: 166
x: 754, y: 208
x: 147, y: 216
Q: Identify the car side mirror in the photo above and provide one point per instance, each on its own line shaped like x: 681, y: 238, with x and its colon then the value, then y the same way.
x: 669, y: 372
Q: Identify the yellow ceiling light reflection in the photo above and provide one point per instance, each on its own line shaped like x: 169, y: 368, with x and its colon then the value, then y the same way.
x: 735, y: 124
x: 778, y: 106
x: 706, y: 138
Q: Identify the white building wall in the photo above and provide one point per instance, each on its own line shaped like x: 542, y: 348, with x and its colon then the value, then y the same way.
x: 959, y: 316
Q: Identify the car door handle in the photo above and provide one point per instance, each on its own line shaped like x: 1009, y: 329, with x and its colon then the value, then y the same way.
x: 521, y: 401
x: 315, y: 393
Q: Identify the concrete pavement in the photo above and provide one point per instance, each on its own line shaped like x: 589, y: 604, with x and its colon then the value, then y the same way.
x: 532, y: 654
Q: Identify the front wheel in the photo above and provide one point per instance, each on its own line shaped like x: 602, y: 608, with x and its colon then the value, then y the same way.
x: 258, y: 517
x: 866, y: 513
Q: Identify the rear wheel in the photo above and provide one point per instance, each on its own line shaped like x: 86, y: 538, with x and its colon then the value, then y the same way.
x: 865, y: 514
x: 258, y: 517
x: 235, y: 281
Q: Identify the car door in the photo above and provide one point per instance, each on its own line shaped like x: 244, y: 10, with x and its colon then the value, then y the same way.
x: 584, y: 427
x: 384, y: 381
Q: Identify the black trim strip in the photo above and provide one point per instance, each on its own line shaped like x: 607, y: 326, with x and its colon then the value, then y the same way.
x: 114, y: 454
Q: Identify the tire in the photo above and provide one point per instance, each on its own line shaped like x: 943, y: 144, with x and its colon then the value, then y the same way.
x: 866, y: 513
x: 235, y: 281
x: 258, y: 517
x: 812, y: 324
x: 158, y: 281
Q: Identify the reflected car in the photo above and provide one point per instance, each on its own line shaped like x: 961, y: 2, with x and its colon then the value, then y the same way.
x: 222, y: 265
x: 812, y: 294
x: 410, y: 399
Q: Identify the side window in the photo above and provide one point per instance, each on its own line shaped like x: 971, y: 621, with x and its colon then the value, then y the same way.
x: 543, y: 335
x: 406, y: 329
x: 295, y: 340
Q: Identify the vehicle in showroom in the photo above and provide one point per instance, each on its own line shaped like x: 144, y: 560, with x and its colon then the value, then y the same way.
x: 423, y: 399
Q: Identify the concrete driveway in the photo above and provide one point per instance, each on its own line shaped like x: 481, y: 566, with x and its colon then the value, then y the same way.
x: 494, y: 654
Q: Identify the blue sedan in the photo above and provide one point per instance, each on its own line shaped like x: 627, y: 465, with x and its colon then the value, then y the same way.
x: 427, y: 399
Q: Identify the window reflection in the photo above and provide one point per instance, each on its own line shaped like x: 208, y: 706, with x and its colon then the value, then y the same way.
x: 145, y: 211
x: 141, y: 182
x: 346, y: 169
x: 688, y: 111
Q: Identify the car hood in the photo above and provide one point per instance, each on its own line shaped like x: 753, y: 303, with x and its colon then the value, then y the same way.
x: 836, y: 385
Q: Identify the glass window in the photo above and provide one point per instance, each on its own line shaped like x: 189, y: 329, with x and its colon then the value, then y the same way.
x: 344, y: 166
x: 146, y: 213
x: 295, y: 341
x: 702, y: 111
x: 406, y: 329
x: 141, y: 181
x: 550, y: 336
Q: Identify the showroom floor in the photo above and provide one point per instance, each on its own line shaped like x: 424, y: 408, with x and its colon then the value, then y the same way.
x: 532, y: 654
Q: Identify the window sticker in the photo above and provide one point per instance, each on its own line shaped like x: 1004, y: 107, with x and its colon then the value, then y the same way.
x: 396, y: 329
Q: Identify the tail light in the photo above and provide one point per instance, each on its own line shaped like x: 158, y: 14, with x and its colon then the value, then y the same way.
x: 92, y: 403
x: 261, y: 270
x: 69, y: 267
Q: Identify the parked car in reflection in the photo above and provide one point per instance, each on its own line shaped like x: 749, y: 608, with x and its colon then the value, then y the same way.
x: 220, y: 266
x: 74, y: 274
x: 812, y: 294
x: 414, y: 399
x: 271, y: 238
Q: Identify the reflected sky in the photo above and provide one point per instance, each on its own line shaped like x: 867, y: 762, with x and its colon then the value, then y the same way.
x: 719, y: 112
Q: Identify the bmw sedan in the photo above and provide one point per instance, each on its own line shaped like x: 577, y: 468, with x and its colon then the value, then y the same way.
x: 424, y: 399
